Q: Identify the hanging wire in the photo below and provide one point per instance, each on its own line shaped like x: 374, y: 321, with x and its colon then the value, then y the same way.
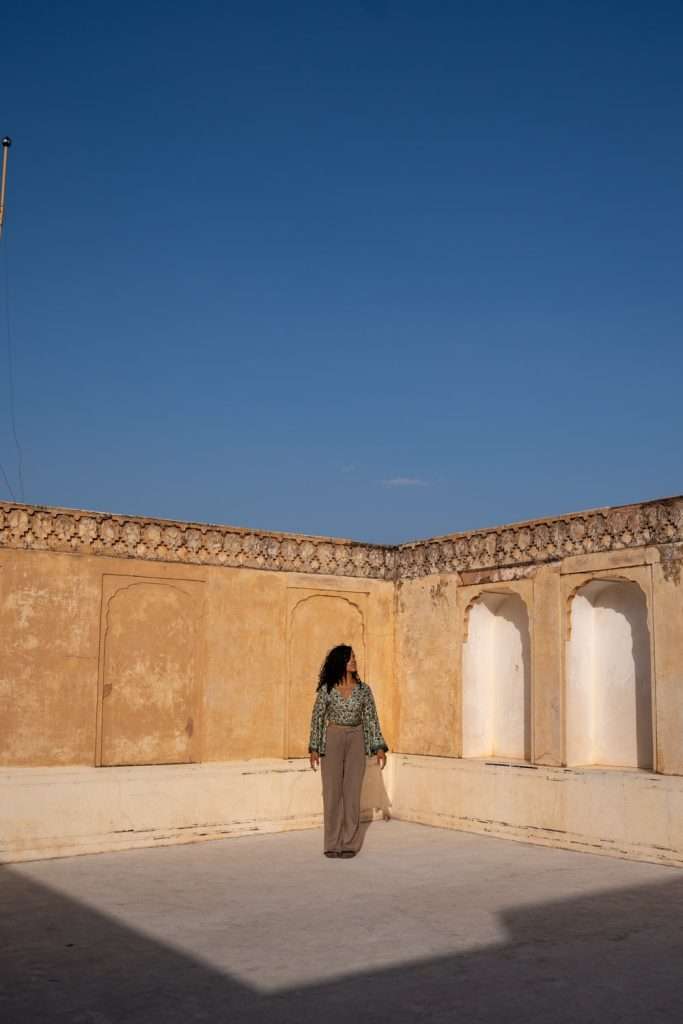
x: 7, y: 483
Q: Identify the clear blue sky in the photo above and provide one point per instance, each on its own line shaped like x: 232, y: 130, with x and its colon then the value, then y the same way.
x: 369, y: 269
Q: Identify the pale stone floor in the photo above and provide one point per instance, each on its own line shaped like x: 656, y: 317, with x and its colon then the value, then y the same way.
x: 425, y: 925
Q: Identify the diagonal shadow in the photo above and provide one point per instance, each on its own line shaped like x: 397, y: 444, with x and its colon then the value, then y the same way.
x: 611, y: 957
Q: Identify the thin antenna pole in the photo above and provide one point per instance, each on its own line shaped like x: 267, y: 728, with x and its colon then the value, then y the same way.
x: 6, y: 143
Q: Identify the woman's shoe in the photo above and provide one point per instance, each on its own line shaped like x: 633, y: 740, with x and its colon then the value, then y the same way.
x: 332, y: 853
x: 347, y: 853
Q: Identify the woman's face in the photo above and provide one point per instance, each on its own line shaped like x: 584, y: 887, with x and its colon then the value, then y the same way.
x: 351, y: 663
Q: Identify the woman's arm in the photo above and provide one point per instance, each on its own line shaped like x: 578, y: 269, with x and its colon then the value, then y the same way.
x: 317, y: 721
x: 377, y: 743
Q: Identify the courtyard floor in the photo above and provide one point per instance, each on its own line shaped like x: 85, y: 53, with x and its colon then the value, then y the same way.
x: 424, y: 925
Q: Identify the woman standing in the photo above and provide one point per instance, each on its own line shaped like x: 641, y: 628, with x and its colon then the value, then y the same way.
x: 344, y: 729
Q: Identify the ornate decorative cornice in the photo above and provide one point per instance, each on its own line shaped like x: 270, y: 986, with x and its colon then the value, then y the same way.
x: 545, y: 540
x: 42, y: 528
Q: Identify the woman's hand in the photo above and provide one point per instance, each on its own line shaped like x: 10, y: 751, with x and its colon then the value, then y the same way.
x: 314, y: 758
x: 381, y: 759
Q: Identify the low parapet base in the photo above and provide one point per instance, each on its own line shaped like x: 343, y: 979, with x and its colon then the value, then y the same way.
x: 619, y: 812
x: 59, y: 812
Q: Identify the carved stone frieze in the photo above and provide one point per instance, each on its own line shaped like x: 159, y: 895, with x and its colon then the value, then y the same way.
x: 547, y: 540
x: 504, y: 575
x: 71, y: 530
x: 498, y: 548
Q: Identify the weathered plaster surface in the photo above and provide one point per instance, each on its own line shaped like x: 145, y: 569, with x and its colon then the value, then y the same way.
x: 426, y: 665
x: 110, y: 661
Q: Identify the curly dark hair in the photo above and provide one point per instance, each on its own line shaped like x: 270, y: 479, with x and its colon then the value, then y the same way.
x: 334, y: 666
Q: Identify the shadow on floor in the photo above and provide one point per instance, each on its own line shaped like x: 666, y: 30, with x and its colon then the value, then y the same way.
x: 614, y: 957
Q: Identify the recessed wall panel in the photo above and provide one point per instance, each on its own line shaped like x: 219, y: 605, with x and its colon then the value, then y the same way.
x: 150, y: 671
x: 318, y: 621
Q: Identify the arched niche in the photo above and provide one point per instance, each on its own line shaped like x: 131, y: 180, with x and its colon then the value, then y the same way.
x: 496, y: 709
x: 318, y: 622
x: 609, y: 686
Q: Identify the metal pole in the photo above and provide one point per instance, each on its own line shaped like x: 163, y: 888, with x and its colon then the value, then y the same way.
x: 6, y: 143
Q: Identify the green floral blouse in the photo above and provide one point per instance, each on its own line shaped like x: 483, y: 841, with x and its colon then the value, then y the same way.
x: 359, y: 708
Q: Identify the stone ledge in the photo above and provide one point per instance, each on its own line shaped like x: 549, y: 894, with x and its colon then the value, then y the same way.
x: 60, y: 812
x: 618, y: 812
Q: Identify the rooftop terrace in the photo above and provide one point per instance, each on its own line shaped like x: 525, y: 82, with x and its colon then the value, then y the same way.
x: 425, y: 925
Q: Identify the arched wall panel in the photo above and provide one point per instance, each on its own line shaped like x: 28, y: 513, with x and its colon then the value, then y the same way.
x: 149, y: 672
x: 318, y: 622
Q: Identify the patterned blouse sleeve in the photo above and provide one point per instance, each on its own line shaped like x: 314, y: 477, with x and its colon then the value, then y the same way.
x: 372, y: 727
x: 317, y: 720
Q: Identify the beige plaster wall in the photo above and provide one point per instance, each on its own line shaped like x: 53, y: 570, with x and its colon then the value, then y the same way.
x: 431, y: 631
x: 667, y: 584
x: 49, y: 630
x: 427, y: 642
x: 111, y: 661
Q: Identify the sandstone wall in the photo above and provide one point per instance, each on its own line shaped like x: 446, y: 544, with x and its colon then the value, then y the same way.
x: 433, y: 616
x: 110, y: 661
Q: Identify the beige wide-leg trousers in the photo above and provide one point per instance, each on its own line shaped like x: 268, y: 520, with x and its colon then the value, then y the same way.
x: 342, y: 769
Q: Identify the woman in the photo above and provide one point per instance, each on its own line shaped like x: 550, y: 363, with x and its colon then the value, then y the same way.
x: 344, y: 728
